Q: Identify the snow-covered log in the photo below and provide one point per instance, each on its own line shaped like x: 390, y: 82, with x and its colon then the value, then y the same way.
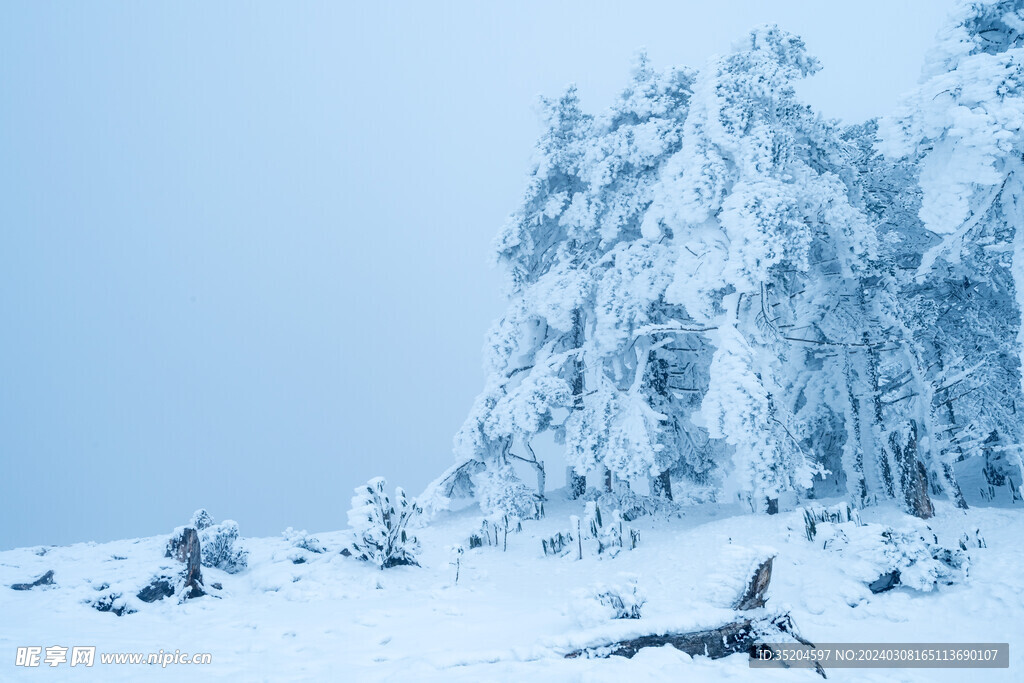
x: 745, y: 634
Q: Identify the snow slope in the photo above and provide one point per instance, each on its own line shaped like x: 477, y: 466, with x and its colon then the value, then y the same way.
x: 512, y: 615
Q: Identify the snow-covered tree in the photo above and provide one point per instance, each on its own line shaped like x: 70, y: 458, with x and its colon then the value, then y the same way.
x: 961, y: 127
x: 713, y: 290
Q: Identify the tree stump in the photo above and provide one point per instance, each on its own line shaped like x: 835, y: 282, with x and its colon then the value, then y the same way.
x: 185, y: 549
x: 754, y: 595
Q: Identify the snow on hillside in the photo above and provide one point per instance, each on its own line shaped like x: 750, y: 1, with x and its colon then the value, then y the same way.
x: 513, y: 614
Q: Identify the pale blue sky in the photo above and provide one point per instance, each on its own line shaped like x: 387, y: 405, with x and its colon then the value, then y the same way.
x: 243, y: 246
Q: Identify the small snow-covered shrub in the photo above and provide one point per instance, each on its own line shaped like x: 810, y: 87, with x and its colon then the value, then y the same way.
x: 381, y: 527
x: 201, y: 519
x: 837, y: 514
x: 218, y: 546
x: 903, y: 557
x: 977, y: 542
x: 557, y: 544
x: 609, y: 532
x: 603, y: 603
x: 302, y: 540
x: 599, y: 532
x: 632, y: 505
x: 495, y: 531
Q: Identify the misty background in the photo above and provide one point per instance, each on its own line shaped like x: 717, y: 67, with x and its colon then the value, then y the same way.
x: 244, y: 246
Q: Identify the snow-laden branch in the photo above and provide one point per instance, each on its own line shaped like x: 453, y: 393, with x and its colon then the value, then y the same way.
x: 957, y: 237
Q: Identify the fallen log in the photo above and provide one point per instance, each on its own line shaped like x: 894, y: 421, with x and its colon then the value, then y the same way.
x: 715, y: 643
x: 745, y: 634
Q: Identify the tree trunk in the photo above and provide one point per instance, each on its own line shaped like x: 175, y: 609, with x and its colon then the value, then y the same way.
x: 913, y: 477
x: 878, y: 419
x: 662, y: 485
x: 575, y: 484
x: 856, y: 483
x: 185, y: 548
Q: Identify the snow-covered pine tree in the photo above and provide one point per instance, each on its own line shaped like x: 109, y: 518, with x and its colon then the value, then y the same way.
x: 766, y: 240
x: 961, y: 127
x: 713, y: 290
x: 531, y: 353
x: 617, y: 427
x: 589, y: 188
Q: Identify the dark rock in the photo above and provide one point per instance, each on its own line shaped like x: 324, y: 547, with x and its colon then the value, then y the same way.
x: 44, y: 580
x: 112, y: 603
x: 885, y: 582
x: 754, y: 595
x: 159, y: 588
x: 216, y: 586
x: 298, y: 559
x: 345, y: 552
x: 773, y: 506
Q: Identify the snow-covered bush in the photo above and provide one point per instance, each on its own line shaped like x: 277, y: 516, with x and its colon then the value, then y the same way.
x: 302, y: 540
x: 602, y: 603
x: 494, y: 532
x: 201, y: 519
x: 977, y: 542
x: 610, y: 534
x: 501, y: 492
x: 218, y: 546
x: 557, y: 544
x: 903, y: 557
x: 218, y: 543
x: 632, y: 505
x: 599, y: 532
x: 381, y: 527
x: 837, y: 514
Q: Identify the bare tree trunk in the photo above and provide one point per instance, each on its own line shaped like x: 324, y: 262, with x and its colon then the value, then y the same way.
x: 878, y: 419
x: 575, y: 484
x: 857, y: 485
x: 662, y: 485
x: 912, y: 474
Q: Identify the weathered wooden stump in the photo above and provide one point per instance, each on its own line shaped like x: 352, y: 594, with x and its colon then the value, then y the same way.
x: 753, y: 596
x: 185, y: 549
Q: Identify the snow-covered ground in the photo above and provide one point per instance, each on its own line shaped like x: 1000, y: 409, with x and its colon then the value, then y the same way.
x: 513, y: 615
